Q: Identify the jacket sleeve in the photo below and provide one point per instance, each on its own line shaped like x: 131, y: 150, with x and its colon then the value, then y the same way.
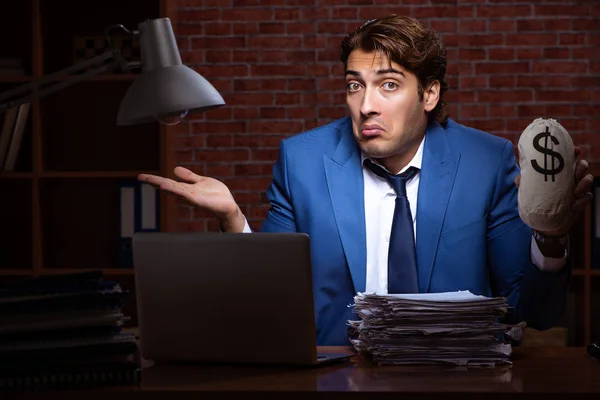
x: 280, y: 217
x: 536, y: 297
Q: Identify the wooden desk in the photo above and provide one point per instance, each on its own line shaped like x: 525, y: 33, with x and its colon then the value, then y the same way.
x: 559, y: 372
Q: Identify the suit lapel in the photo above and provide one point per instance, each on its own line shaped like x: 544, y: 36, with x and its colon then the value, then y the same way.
x: 345, y: 181
x: 435, y: 185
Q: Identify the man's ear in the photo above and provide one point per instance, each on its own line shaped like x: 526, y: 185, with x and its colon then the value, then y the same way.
x: 431, y: 95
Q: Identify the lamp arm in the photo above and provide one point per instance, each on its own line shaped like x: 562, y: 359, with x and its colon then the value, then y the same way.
x: 119, y: 61
x: 117, y: 26
x: 54, y: 88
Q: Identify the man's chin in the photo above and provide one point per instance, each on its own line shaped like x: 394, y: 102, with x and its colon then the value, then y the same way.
x: 371, y: 150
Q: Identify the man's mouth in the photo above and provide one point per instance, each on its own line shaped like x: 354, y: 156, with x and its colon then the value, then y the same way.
x: 371, y: 130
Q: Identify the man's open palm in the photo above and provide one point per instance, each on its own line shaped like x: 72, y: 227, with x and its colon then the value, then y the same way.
x: 204, y: 192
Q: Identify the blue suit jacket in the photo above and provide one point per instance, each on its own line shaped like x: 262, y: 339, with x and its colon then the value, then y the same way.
x: 469, y: 233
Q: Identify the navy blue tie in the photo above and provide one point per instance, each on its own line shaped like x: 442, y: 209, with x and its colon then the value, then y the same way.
x: 402, y: 260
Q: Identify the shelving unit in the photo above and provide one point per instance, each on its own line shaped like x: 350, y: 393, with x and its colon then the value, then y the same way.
x: 59, y: 208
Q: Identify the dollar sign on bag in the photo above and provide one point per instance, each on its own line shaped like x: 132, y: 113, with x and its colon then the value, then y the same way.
x: 548, y: 152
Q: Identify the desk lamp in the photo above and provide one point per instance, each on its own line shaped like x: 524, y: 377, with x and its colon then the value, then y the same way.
x: 166, y: 90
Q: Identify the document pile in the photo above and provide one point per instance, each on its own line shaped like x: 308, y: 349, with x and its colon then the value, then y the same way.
x: 64, y: 331
x: 454, y: 328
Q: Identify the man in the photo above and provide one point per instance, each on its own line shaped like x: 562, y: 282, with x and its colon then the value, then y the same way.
x: 463, y: 198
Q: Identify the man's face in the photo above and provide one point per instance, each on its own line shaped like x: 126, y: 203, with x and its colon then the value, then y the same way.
x: 388, y: 118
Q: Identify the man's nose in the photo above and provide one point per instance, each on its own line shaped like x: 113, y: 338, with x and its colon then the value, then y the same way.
x: 369, y: 105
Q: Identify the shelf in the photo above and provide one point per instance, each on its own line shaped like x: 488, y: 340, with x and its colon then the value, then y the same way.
x: 77, y: 174
x: 16, y: 271
x: 4, y: 78
x: 98, y: 78
x: 54, y: 271
x: 105, y: 271
x: 16, y: 175
x: 95, y: 174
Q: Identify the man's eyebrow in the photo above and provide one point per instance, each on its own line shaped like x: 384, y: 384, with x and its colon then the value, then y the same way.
x: 389, y: 71
x: 378, y: 72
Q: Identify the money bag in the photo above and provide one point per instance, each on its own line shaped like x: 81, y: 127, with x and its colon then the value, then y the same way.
x: 547, y: 162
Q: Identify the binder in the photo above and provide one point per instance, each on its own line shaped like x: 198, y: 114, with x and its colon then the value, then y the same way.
x: 148, y: 208
x: 138, y: 212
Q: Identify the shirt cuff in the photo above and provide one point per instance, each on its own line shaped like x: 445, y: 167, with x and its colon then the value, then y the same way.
x: 247, y: 228
x: 546, y: 264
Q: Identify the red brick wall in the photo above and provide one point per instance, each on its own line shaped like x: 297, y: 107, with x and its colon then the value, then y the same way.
x: 276, y: 63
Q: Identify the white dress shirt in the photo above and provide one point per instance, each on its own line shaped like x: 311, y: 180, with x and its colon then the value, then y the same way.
x: 380, y: 200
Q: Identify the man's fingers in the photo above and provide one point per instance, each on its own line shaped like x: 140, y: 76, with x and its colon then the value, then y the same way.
x: 584, y: 186
x: 181, y: 172
x: 518, y: 179
x: 581, y: 203
x: 581, y: 168
x: 187, y: 175
x: 184, y: 191
x: 165, y: 184
x: 154, y: 180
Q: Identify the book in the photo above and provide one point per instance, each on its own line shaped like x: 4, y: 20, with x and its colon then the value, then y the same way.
x: 17, y: 137
x: 6, y: 134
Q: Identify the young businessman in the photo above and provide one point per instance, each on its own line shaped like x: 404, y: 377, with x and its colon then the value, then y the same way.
x: 464, y: 230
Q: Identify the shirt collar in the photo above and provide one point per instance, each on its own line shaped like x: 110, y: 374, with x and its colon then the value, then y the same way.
x: 416, y: 161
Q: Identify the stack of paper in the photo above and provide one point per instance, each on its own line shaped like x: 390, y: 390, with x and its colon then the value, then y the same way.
x: 457, y: 328
x: 64, y: 331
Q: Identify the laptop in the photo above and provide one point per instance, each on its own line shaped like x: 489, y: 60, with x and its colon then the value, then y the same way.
x: 243, y: 298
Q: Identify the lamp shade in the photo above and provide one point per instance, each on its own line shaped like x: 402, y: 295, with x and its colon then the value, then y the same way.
x: 166, y: 88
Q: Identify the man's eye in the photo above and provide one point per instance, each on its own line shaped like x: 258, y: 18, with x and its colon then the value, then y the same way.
x: 390, y: 85
x: 353, y: 86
